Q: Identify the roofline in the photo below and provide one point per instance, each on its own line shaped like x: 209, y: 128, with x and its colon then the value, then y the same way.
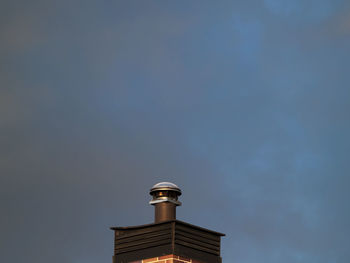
x: 165, y: 222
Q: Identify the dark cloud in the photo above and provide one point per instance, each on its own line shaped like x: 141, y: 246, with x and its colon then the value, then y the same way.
x: 247, y: 103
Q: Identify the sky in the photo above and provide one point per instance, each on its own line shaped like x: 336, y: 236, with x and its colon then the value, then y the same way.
x: 243, y: 104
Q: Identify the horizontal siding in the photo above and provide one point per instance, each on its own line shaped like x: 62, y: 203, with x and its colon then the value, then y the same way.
x: 197, y: 232
x: 132, y: 240
x: 148, y: 244
x: 170, y: 237
x: 120, y: 234
x: 197, y: 239
x: 128, y: 239
x: 196, y: 247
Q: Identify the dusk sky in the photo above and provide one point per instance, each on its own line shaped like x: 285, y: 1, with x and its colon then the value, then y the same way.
x: 243, y: 104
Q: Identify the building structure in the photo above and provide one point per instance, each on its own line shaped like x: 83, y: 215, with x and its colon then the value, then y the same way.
x: 167, y: 240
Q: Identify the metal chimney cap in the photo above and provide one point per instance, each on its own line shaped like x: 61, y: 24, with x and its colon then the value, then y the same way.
x: 165, y: 186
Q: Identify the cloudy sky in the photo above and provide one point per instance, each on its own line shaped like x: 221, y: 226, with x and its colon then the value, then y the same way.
x: 243, y: 104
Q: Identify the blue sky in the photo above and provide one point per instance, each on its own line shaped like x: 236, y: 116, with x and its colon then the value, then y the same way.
x: 243, y: 104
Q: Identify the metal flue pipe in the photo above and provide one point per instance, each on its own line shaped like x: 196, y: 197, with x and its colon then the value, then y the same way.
x: 165, y: 199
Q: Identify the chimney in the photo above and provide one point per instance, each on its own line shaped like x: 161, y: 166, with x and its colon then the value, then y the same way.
x: 165, y: 200
x: 167, y: 239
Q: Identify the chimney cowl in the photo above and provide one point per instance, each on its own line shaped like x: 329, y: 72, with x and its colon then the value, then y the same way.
x: 165, y: 200
x: 165, y: 186
x: 165, y: 192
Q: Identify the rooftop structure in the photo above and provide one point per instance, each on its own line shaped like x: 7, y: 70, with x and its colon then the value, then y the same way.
x: 167, y: 238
